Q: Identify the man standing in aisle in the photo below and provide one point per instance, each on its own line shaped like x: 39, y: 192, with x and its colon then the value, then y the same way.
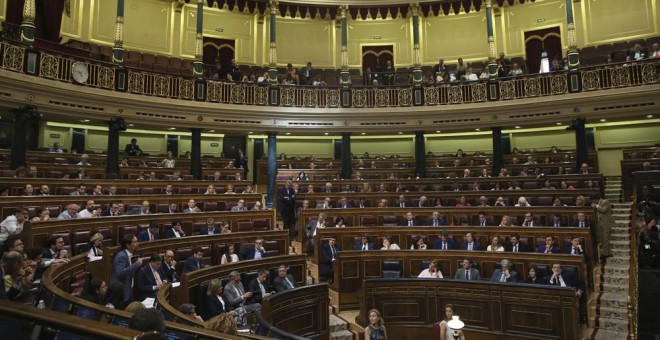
x: 287, y: 205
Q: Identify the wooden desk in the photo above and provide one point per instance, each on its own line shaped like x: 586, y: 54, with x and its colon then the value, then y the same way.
x: 56, y: 282
x: 490, y: 310
x: 628, y: 169
x: 303, y: 311
x: 353, y: 267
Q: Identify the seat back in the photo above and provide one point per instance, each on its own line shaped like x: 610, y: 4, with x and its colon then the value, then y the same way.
x: 392, y: 268
x: 245, y: 226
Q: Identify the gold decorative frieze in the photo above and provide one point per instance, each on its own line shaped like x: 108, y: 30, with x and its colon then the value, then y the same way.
x: 162, y: 86
x: 620, y: 76
x: 332, y: 97
x: 559, y: 84
x: 507, y: 90
x: 287, y: 96
x: 135, y: 82
x: 532, y: 87
x: 106, y: 77
x: 405, y: 97
x: 479, y: 92
x: 261, y: 95
x: 454, y: 94
x: 238, y: 93
x: 13, y: 58
x: 50, y: 66
x: 382, y: 97
x: 310, y: 97
x: 590, y: 80
x: 431, y: 96
x: 359, y: 97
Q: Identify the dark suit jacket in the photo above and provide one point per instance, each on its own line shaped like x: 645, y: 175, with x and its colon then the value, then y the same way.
x: 325, y: 266
x: 554, y: 250
x: 475, y: 246
x: 3, y: 294
x: 136, y: 211
x: 348, y: 205
x: 124, y: 272
x: 143, y: 236
x: 569, y: 250
x: 521, y: 247
x: 146, y: 281
x: 169, y: 273
x: 587, y: 224
x: 107, y: 213
x: 253, y: 287
x: 538, y: 281
x: 461, y: 275
x: 311, y: 226
x: 450, y: 244
x: 279, y: 284
x: 192, y: 264
x: 569, y: 280
x: 169, y: 233
x: 535, y: 222
x: 497, y: 276
x: 358, y: 246
x: 213, y: 306
x: 205, y: 230
x: 287, y: 201
x: 441, y: 221
x: 248, y: 254
x: 405, y: 222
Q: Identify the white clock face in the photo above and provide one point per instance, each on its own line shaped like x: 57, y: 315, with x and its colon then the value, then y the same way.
x: 80, y: 72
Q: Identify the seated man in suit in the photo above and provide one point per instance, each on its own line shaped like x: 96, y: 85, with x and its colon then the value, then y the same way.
x: 575, y: 248
x: 444, y: 242
x: 325, y: 204
x: 514, y: 245
x: 236, y: 296
x: 561, y: 278
x: 149, y: 234
x: 210, y: 228
x: 175, y: 231
x: 364, y: 244
x: 401, y: 202
x: 168, y: 267
x: 192, y: 207
x: 435, y: 220
x: 467, y: 272
x: 310, y: 231
x: 142, y: 210
x: 113, y: 210
x: 582, y: 221
x: 253, y: 252
x: 259, y: 286
x: 194, y: 262
x: 549, y: 247
x: 483, y: 221
x: 505, y: 274
x: 240, y: 206
x: 284, y: 281
x: 530, y: 220
x: 470, y: 243
x: 150, y: 279
x: 328, y: 256
x: 344, y: 203
x: 409, y: 220
x: 556, y: 220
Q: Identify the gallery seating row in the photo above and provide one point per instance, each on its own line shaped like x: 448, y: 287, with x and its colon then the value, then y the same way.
x: 630, y: 166
x: 114, y: 227
x: 158, y: 203
x: 70, y: 171
x: 60, y: 186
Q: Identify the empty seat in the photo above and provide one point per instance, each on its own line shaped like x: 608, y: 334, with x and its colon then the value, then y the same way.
x: 80, y: 240
x: 260, y: 224
x: 245, y: 226
x: 390, y: 221
x: 392, y: 268
x: 368, y: 221
x: 210, y: 206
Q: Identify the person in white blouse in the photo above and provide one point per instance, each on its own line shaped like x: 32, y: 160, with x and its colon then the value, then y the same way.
x: 229, y: 256
x: 388, y: 245
x: 433, y: 271
x: 95, y: 244
x: 495, y: 245
x: 169, y: 161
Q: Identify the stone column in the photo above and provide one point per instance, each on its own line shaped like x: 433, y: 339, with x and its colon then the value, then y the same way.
x: 272, y: 169
x: 272, y: 56
x: 22, y: 117
x: 118, y: 49
x: 344, y: 76
x: 27, y: 26
x: 420, y: 154
x: 417, y: 64
x: 573, y: 55
x: 196, y: 153
x: 498, y: 152
x: 578, y: 125
x: 115, y: 126
x: 198, y: 64
x: 346, y: 159
x: 492, y: 56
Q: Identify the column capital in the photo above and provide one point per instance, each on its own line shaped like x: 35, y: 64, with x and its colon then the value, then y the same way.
x: 489, y: 3
x: 194, y: 130
x: 273, y: 4
x: 343, y: 10
x: 346, y: 134
x: 414, y: 7
x: 271, y: 133
x: 117, y: 124
x: 25, y: 112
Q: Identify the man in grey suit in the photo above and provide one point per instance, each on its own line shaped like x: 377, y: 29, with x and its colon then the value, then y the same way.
x: 236, y: 295
x: 310, y: 231
x: 123, y: 270
x: 506, y: 274
x: 467, y: 272
x: 284, y: 281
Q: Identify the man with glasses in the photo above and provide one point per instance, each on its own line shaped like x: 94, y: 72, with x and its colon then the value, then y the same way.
x: 253, y: 253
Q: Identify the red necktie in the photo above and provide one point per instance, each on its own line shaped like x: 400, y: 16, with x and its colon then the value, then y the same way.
x: 151, y: 237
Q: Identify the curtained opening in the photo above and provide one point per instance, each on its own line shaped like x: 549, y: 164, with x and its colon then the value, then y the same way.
x: 217, y: 53
x: 376, y: 57
x: 537, y: 41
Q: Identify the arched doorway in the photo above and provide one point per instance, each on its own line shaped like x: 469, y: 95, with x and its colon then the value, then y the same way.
x: 215, y: 50
x: 376, y: 57
x: 549, y: 40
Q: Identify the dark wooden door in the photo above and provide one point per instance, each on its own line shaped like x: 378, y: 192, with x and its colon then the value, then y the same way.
x: 537, y: 41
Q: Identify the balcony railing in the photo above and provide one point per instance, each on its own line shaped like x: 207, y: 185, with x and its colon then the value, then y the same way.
x: 58, y: 66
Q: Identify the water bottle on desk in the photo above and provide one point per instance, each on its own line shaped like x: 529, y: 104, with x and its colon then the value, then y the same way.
x: 41, y: 304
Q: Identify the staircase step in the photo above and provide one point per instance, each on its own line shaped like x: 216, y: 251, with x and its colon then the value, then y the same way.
x: 614, y: 313
x: 341, y: 335
x: 337, y: 324
x: 613, y: 324
x: 604, y: 334
x: 614, y: 300
x: 615, y: 288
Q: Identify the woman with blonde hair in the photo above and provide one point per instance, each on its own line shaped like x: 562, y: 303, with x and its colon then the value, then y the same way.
x: 522, y: 202
x: 222, y: 323
x: 95, y: 244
